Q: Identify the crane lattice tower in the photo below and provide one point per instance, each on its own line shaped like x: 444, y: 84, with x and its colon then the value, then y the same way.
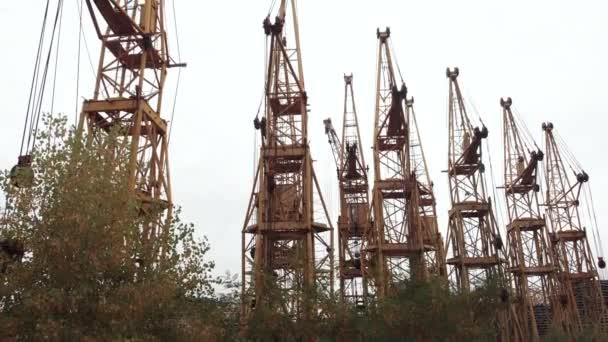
x: 582, y: 297
x: 286, y: 250
x: 402, y: 243
x: 128, y: 98
x: 353, y: 223
x: 531, y: 261
x: 435, y: 257
x: 473, y: 237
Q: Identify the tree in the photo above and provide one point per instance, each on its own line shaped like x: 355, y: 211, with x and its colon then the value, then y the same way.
x: 81, y: 276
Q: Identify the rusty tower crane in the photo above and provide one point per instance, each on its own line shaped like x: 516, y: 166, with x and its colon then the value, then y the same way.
x: 284, y: 248
x: 473, y: 236
x: 353, y: 223
x: 531, y: 260
x: 565, y: 195
x: 403, y: 243
x: 128, y: 98
x: 427, y: 205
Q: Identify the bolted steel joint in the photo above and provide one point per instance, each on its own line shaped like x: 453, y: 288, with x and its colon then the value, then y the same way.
x: 582, y: 177
x: 274, y: 29
x: 267, y: 26
x: 328, y: 125
x: 383, y: 35
x: 348, y: 79
x: 452, y: 74
x: 409, y: 102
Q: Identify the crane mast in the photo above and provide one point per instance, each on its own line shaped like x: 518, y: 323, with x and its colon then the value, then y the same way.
x: 435, y: 256
x: 472, y: 233
x: 128, y: 99
x: 531, y: 261
x: 285, y: 250
x: 353, y: 222
x: 473, y: 236
x: 397, y: 248
x: 581, y: 297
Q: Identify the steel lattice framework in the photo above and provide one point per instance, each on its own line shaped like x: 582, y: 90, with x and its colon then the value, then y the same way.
x: 403, y: 243
x: 581, y: 297
x: 284, y: 248
x: 435, y: 258
x: 473, y: 237
x: 353, y: 222
x: 472, y: 234
x: 128, y: 98
x: 531, y: 260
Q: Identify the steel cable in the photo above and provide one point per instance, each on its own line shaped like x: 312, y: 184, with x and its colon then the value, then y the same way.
x: 179, y: 71
x: 35, y: 75
x: 78, y: 63
x: 38, y: 112
x: 56, y: 61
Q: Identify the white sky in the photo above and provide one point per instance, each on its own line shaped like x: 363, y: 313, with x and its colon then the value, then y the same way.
x: 549, y: 56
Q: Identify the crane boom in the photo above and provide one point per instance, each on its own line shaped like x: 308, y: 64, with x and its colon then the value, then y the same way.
x: 531, y: 261
x: 473, y: 238
x: 435, y: 256
x: 397, y: 247
x: 353, y: 223
x: 577, y: 274
x: 287, y: 243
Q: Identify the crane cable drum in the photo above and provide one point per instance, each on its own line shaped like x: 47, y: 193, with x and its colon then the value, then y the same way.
x: 22, y: 174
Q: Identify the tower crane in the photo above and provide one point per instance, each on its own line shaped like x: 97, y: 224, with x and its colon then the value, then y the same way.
x: 353, y: 223
x: 128, y: 99
x: 402, y: 245
x: 473, y: 237
x: 427, y: 205
x: 285, y: 246
x: 566, y: 196
x: 531, y: 261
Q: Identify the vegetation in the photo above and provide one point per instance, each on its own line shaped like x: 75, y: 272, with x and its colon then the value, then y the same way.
x: 82, y: 276
x: 416, y: 311
x: 71, y: 269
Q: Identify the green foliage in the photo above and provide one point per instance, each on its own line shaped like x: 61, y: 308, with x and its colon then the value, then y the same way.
x: 414, y: 312
x: 589, y: 334
x: 82, y: 276
x: 270, y: 318
x: 425, y: 312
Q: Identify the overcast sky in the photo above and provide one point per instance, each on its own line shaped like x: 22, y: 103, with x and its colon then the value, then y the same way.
x: 549, y: 56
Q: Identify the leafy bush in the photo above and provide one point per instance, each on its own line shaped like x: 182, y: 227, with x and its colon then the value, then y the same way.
x: 83, y: 275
